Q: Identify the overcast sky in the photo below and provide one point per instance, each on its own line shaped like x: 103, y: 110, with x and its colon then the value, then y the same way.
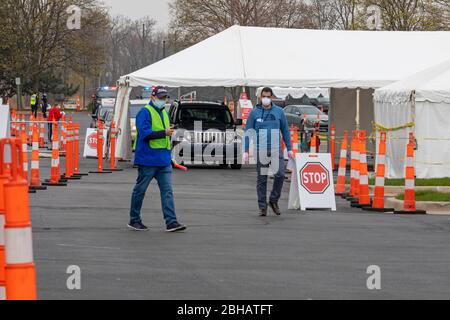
x: 136, y: 9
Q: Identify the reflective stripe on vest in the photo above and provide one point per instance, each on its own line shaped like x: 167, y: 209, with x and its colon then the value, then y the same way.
x: 158, y: 125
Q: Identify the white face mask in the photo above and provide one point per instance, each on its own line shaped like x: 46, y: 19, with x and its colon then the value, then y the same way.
x: 266, y: 101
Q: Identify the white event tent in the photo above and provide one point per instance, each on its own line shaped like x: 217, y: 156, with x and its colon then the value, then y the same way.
x: 423, y: 99
x: 240, y: 56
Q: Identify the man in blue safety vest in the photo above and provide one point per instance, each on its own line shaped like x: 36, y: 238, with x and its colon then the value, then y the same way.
x: 154, y: 161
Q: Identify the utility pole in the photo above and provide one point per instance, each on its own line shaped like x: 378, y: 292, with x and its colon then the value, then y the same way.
x: 164, y: 49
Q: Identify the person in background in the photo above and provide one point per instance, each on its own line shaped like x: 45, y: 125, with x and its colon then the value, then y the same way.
x: 44, y: 105
x: 54, y: 115
x: 267, y: 121
x: 34, y: 102
x: 154, y: 161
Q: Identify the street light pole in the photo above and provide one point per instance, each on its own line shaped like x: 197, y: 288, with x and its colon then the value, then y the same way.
x: 19, y: 94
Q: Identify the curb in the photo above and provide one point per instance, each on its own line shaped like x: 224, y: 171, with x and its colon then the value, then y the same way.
x: 432, y: 208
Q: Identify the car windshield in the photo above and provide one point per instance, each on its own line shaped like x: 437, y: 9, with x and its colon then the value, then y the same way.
x: 104, y: 111
x: 323, y: 100
x: 207, y: 115
x: 310, y: 111
x: 103, y: 94
x: 134, y: 110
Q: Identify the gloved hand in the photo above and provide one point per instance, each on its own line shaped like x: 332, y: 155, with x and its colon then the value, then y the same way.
x: 291, y: 155
x: 246, y: 158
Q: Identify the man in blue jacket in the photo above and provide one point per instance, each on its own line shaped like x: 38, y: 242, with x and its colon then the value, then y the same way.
x: 265, y: 123
x: 154, y: 159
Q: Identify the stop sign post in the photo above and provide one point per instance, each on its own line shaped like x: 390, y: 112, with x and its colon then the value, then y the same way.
x: 312, y: 185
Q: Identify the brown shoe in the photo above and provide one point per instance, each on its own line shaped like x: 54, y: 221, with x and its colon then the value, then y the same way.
x: 275, y: 208
x: 263, y: 213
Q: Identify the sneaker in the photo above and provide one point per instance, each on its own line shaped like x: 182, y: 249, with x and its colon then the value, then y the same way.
x: 176, y: 227
x: 275, y: 208
x: 263, y: 213
x: 138, y: 226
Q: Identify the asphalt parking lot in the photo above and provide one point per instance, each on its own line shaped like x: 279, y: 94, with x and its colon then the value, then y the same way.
x: 228, y: 251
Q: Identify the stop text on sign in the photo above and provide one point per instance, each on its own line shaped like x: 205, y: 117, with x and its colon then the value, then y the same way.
x: 92, y: 141
x: 315, y: 178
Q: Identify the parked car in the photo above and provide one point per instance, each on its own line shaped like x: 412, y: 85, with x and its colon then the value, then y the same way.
x: 297, y: 114
x: 322, y: 103
x: 219, y: 132
x: 102, y: 113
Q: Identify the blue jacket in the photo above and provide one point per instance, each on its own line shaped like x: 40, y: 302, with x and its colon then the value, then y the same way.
x: 146, y: 156
x: 268, y: 124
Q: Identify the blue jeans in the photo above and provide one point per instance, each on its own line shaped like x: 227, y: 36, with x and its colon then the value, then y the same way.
x: 164, y: 178
x: 275, y: 160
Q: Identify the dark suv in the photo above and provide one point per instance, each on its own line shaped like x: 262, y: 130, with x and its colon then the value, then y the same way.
x: 206, y: 133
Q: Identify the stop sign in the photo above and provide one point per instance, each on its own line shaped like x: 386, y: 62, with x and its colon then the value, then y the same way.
x: 92, y: 141
x: 315, y: 178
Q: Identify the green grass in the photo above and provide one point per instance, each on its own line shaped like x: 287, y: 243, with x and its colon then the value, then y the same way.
x: 439, y: 182
x: 429, y: 196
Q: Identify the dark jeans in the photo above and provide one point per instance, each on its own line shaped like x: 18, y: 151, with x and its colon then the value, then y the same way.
x: 267, y: 159
x: 145, y: 177
x: 50, y: 132
x: 34, y: 110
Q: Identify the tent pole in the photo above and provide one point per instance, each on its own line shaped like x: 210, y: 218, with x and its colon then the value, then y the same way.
x: 358, y: 108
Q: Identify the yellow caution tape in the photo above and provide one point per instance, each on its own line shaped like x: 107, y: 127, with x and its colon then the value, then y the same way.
x: 380, y: 127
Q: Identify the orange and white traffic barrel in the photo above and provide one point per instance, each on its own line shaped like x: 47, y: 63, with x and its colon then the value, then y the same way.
x: 409, y: 206
x: 42, y: 133
x: 76, y: 159
x: 342, y: 172
x: 20, y: 268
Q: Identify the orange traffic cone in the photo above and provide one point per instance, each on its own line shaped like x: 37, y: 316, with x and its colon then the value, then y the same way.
x: 378, y: 201
x: 70, y: 136
x: 76, y: 159
x: 20, y: 269
x: 295, y: 140
x: 55, y: 179
x: 313, y: 142
x: 410, y: 193
x: 112, y: 156
x: 354, y: 167
x: 62, y: 148
x: 364, y: 193
x: 23, y: 139
x: 100, y: 148
x: 42, y: 133
x: 3, y: 179
x: 333, y: 147
x: 342, y: 173
x: 35, y: 181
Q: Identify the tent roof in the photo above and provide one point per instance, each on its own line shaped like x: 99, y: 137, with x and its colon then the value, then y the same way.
x: 298, y: 58
x: 432, y: 84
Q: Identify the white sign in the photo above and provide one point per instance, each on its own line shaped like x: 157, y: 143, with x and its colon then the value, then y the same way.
x: 312, y: 185
x: 108, y: 103
x: 4, y: 121
x: 90, y: 145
